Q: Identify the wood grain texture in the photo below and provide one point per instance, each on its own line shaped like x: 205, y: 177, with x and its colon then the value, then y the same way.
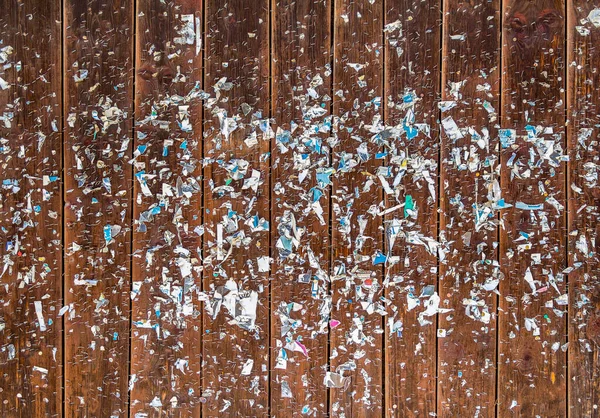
x: 30, y: 209
x: 212, y: 153
x: 98, y: 94
x: 412, y: 68
x: 469, y: 220
x: 582, y: 130
x: 532, y: 369
x: 301, y: 109
x: 166, y: 313
x: 356, y: 234
x: 237, y: 76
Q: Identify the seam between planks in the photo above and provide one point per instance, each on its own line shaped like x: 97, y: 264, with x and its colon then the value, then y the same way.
x: 201, y: 202
x: 383, y: 241
x: 203, y: 401
x: 499, y: 215
x: 567, y: 168
x: 570, y: 16
x: 132, y: 199
x: 381, y: 228
x: 270, y: 206
x: 439, y: 198
x: 63, y: 191
x: 438, y: 231
x: 330, y: 193
x: 331, y: 248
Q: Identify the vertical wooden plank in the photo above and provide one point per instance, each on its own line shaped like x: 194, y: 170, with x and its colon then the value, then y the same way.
x: 166, y: 315
x: 582, y: 129
x: 300, y: 301
x: 98, y: 64
x: 356, y: 343
x: 30, y: 209
x: 412, y: 80
x: 532, y: 326
x: 236, y: 245
x: 470, y: 202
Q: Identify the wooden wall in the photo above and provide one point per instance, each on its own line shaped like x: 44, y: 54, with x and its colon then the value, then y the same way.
x: 344, y: 165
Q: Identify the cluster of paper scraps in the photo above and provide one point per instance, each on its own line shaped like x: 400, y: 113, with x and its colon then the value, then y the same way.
x: 307, y: 146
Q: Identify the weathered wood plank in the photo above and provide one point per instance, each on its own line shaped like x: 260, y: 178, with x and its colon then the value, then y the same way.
x: 300, y: 301
x: 30, y: 209
x: 470, y: 202
x: 412, y: 80
x: 98, y: 108
x: 356, y: 350
x: 166, y: 314
x: 532, y: 367
x: 236, y: 245
x: 584, y: 233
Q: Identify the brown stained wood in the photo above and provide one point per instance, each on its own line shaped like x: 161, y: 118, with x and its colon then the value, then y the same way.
x: 166, y: 313
x: 98, y: 64
x: 358, y: 39
x: 584, y: 305
x: 301, y: 52
x: 532, y: 369
x: 469, y: 175
x: 237, y: 71
x: 412, y: 69
x: 185, y: 161
x: 30, y: 209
